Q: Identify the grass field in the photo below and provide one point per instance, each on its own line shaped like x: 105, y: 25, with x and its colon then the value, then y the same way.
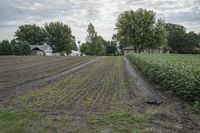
x: 17, y: 70
x: 92, y: 99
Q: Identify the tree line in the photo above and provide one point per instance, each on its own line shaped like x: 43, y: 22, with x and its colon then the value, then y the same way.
x: 56, y: 34
x: 181, y: 42
x: 141, y: 30
x: 14, y: 48
x: 138, y: 29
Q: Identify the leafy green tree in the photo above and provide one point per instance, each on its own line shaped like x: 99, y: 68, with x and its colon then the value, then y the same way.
x: 190, y: 42
x: 181, y: 42
x: 159, y: 35
x: 92, y: 34
x: 32, y: 34
x: 59, y: 37
x: 140, y: 30
x: 95, y: 45
x: 83, y: 48
x: 6, y: 48
x: 176, y: 37
x: 100, y: 47
x: 136, y: 29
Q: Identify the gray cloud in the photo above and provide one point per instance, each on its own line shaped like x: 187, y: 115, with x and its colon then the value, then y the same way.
x: 102, y: 13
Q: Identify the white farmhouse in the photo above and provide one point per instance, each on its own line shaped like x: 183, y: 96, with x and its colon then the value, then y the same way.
x: 42, y: 50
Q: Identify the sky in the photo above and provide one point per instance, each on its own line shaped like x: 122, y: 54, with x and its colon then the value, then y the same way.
x: 102, y: 13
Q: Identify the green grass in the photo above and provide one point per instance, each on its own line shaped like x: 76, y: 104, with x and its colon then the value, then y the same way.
x: 26, y: 120
x: 122, y: 122
x: 16, y: 120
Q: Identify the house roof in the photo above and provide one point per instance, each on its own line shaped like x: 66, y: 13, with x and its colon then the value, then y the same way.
x: 41, y: 47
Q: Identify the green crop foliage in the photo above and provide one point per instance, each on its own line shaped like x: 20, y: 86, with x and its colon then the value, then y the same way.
x: 178, y: 73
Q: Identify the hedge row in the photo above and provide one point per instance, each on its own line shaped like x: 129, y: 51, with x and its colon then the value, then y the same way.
x: 179, y: 73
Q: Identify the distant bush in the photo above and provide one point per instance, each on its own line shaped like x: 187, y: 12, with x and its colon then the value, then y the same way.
x: 6, y: 48
x: 14, y: 48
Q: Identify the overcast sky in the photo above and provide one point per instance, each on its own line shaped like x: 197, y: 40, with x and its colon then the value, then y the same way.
x: 102, y: 13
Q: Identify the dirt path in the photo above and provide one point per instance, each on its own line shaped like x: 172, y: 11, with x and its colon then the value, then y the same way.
x: 41, y: 82
x: 145, y: 90
x: 171, y: 116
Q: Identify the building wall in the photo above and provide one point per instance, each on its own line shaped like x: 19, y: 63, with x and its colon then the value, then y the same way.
x: 48, y: 53
x: 38, y: 52
x: 150, y: 51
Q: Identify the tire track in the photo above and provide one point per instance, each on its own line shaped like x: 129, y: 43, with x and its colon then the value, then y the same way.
x: 41, y: 82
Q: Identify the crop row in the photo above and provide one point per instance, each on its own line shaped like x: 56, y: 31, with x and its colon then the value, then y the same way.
x: 17, y: 70
x: 93, y: 91
x: 99, y: 85
x: 179, y: 73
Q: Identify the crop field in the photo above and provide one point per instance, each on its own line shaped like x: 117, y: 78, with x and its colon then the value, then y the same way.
x: 17, y: 70
x: 98, y: 98
x: 93, y: 99
x: 178, y: 73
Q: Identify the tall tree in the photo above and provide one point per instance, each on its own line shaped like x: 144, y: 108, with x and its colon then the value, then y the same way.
x: 139, y: 30
x: 91, y: 33
x: 32, y: 34
x: 100, y: 46
x: 176, y: 37
x: 160, y: 35
x: 95, y: 45
x: 59, y: 37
